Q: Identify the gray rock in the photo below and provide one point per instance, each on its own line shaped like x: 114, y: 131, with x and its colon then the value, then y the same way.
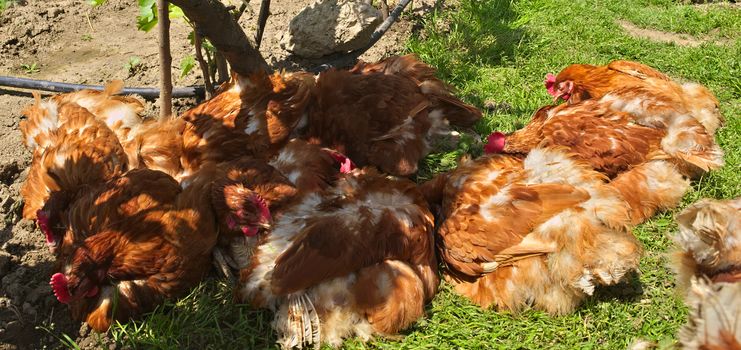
x: 330, y: 26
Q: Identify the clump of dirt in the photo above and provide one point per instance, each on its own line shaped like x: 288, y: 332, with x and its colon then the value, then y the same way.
x: 71, y: 41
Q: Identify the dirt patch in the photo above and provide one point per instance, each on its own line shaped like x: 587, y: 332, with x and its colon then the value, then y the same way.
x: 70, y: 41
x: 667, y: 37
x: 708, y: 4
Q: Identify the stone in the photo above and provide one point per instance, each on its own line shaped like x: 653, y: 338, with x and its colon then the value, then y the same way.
x: 330, y: 26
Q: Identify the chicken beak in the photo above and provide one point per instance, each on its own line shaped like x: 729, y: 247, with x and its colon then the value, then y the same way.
x: 264, y: 225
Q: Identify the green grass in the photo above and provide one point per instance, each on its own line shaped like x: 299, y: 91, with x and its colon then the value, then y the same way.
x: 714, y: 20
x: 497, y: 50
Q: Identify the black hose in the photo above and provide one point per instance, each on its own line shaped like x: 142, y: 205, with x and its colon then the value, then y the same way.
x: 33, y: 84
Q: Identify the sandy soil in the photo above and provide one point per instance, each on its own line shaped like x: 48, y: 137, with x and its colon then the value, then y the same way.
x: 70, y: 41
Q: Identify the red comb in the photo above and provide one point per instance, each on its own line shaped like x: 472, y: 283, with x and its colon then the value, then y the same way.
x: 59, y: 286
x: 346, y: 164
x: 495, y: 143
x: 249, y: 231
x: 42, y: 218
x: 550, y: 84
x: 264, y: 209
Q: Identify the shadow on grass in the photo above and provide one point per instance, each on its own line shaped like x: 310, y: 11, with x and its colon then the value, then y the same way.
x: 629, y: 290
x: 458, y: 42
x: 207, y: 315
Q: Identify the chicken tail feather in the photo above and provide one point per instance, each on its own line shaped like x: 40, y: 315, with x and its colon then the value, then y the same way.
x: 113, y: 87
x: 297, y: 323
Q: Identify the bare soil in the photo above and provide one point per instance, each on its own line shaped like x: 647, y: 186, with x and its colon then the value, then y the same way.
x: 70, y: 41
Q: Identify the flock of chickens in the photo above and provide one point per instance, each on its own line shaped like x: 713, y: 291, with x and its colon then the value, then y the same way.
x: 299, y: 183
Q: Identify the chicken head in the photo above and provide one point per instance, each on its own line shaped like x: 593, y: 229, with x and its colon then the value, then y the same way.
x: 246, y: 211
x: 558, y: 90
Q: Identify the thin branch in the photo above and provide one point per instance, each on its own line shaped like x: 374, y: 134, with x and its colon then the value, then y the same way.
x: 210, y: 64
x: 163, y: 16
x: 240, y: 11
x: 222, y: 67
x: 198, y: 43
x: 218, y: 25
x: 262, y: 18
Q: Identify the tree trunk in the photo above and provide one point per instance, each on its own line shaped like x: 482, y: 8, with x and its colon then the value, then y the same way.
x: 218, y: 25
x: 163, y: 17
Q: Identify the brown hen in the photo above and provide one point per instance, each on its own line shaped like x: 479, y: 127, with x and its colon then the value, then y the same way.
x: 708, y: 264
x: 644, y: 165
x: 357, y: 259
x: 72, y: 151
x: 612, y: 141
x: 132, y: 243
x: 632, y: 87
x: 384, y: 114
x: 542, y: 231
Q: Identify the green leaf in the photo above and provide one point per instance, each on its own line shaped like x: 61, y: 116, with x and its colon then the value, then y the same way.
x: 192, y: 37
x: 208, y: 47
x: 5, y: 4
x: 175, y: 12
x: 145, y: 24
x: 147, y: 18
x: 96, y: 3
x: 186, y: 65
x: 133, y: 63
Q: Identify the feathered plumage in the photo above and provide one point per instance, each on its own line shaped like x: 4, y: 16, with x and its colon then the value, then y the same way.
x: 542, y: 231
x: 356, y: 259
x: 708, y: 264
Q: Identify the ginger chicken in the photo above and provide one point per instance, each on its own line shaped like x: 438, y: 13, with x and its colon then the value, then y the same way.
x: 120, y: 113
x: 72, y: 151
x: 612, y: 141
x: 385, y: 114
x: 354, y: 260
x: 251, y: 116
x: 133, y: 242
x: 540, y: 231
x: 651, y: 96
x: 645, y: 166
x: 250, y: 191
x: 247, y: 195
x: 310, y: 167
x: 708, y: 265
